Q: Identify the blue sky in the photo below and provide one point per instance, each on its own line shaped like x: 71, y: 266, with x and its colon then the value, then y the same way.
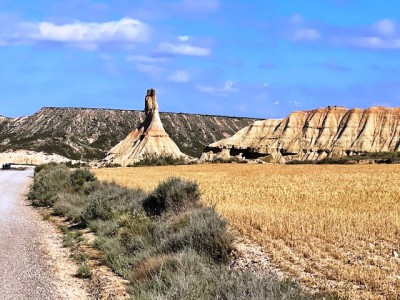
x: 243, y: 58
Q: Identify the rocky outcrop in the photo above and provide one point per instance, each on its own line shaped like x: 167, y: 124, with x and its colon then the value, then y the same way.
x: 313, y: 135
x: 88, y: 133
x: 149, y: 139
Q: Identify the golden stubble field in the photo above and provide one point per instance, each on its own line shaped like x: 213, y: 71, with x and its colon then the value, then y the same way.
x: 336, y: 228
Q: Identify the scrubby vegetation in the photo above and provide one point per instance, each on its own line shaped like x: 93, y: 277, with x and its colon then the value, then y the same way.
x: 164, y: 242
x: 155, y: 160
x: 373, y: 157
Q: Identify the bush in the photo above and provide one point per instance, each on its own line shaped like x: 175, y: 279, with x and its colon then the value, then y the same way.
x: 84, y: 271
x: 205, y: 232
x: 80, y: 177
x: 172, y: 196
x: 191, y: 276
x: 51, y: 180
x: 108, y: 201
x: 70, y: 206
x: 155, y: 160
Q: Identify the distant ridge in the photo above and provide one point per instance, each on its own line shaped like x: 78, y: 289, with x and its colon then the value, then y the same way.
x: 91, y: 132
x: 137, y: 110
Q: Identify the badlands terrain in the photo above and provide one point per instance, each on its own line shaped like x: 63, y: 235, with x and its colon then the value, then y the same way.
x: 314, y: 135
x: 77, y: 133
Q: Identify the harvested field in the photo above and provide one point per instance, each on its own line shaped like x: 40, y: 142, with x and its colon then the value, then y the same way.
x: 335, y: 227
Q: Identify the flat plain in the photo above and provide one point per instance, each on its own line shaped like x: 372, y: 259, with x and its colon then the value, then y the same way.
x: 334, y: 227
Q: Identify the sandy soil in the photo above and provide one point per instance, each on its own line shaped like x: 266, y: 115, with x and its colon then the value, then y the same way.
x: 33, y: 264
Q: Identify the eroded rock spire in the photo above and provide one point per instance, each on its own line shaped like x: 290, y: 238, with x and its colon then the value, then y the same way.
x: 149, y: 139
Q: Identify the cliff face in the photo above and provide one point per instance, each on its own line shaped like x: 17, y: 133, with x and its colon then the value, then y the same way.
x: 315, y: 134
x: 90, y: 133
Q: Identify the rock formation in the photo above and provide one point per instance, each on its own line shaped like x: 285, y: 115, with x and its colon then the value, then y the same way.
x: 315, y: 134
x: 149, y: 139
x: 89, y: 133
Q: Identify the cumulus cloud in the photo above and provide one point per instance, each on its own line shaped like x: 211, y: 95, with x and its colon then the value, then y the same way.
x: 183, y: 49
x: 306, y: 34
x: 179, y: 76
x: 84, y: 35
x: 124, y: 30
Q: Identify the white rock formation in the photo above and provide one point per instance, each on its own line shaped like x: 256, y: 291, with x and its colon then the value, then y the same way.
x: 149, y: 139
x: 314, y: 134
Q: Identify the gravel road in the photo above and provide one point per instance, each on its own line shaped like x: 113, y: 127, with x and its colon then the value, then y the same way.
x: 25, y: 266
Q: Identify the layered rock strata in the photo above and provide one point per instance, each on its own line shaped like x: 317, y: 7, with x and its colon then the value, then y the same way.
x: 149, y: 139
x: 313, y: 135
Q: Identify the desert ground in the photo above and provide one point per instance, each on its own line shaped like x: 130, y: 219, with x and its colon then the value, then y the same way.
x: 335, y: 228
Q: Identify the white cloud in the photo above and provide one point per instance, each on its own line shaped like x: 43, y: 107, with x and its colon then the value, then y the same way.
x: 295, y: 103
x: 124, y: 30
x: 183, y: 38
x: 373, y: 42
x: 183, y: 49
x: 89, y: 36
x: 228, y: 87
x: 146, y: 59
x: 307, y: 34
x: 276, y: 103
x: 150, y: 69
x: 179, y: 76
x: 385, y: 27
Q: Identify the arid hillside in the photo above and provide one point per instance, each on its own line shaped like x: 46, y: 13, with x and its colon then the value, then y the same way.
x: 315, y: 134
x: 90, y: 133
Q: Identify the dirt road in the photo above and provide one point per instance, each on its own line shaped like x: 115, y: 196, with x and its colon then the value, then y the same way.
x: 27, y: 268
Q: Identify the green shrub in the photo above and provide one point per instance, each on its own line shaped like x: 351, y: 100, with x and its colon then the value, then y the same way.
x: 205, y: 232
x: 84, y: 271
x: 108, y: 201
x: 190, y: 276
x: 51, y: 180
x: 70, y: 206
x: 172, y: 196
x: 80, y: 177
x: 155, y: 160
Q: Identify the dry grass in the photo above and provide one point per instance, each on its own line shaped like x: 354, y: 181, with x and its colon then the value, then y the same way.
x: 334, y: 227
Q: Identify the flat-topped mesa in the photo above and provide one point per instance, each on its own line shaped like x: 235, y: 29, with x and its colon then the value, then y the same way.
x: 149, y: 139
x: 314, y: 135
